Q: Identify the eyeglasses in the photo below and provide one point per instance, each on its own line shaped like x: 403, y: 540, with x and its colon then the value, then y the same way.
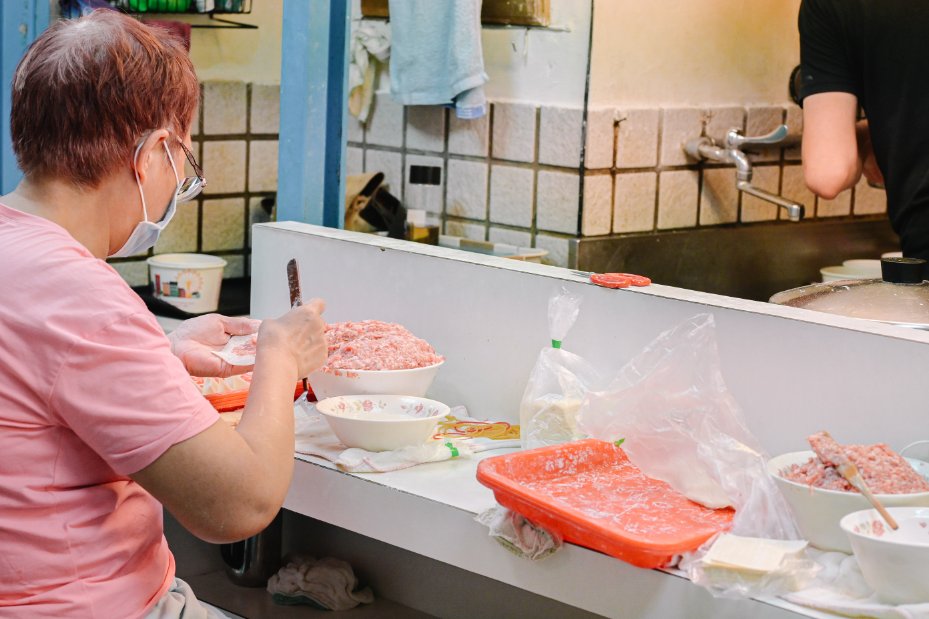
x: 192, y: 185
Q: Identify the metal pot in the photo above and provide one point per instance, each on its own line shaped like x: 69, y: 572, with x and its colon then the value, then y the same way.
x: 900, y: 297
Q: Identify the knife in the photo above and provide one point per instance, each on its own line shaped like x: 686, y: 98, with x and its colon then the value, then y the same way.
x: 296, y: 300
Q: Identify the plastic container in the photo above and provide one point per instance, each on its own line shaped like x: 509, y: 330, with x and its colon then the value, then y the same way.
x: 190, y: 282
x: 592, y: 495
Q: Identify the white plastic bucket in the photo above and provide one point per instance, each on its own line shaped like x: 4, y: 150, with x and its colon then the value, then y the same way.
x: 190, y: 282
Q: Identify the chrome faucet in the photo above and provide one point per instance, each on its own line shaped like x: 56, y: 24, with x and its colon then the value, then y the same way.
x: 705, y: 147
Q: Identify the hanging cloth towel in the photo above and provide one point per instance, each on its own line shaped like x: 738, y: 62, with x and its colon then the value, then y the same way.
x: 436, y: 57
x: 370, y: 47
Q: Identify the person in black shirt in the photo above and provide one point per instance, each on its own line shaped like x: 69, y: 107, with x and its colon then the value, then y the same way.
x: 873, y: 54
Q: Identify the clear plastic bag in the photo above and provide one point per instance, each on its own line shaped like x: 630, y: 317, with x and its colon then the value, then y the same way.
x: 558, y: 383
x: 681, y: 425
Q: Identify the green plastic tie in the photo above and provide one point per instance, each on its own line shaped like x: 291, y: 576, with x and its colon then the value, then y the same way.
x: 452, y: 448
x: 556, y: 343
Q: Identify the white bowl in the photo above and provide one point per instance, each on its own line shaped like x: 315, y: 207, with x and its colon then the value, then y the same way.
x: 382, y: 422
x: 819, y: 511
x: 851, y: 271
x: 894, y: 563
x: 413, y: 382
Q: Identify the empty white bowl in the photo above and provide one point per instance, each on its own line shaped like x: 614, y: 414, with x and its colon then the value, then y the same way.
x: 852, y: 269
x: 413, y: 382
x: 893, y: 563
x: 819, y: 511
x: 380, y: 422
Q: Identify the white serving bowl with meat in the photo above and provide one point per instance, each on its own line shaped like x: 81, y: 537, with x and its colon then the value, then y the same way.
x: 892, y: 562
x: 382, y: 422
x: 374, y: 357
x: 819, y: 510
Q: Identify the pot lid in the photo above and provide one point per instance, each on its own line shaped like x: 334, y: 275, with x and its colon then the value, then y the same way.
x: 900, y: 297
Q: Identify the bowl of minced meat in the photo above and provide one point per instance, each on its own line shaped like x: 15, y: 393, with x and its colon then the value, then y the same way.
x: 819, y: 496
x: 375, y: 357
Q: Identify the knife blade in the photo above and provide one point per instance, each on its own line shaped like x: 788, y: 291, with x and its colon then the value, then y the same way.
x: 296, y: 300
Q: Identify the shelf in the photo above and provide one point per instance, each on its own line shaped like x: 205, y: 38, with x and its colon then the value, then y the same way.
x: 255, y: 603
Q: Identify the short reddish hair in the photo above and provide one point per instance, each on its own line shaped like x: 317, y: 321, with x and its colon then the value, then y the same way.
x: 87, y: 90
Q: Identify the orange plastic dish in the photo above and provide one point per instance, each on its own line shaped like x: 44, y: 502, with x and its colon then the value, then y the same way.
x: 592, y: 495
x: 234, y: 400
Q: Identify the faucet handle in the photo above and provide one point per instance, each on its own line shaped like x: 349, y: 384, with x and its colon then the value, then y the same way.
x: 735, y: 139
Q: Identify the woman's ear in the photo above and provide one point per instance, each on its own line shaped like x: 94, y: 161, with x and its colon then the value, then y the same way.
x: 149, y: 153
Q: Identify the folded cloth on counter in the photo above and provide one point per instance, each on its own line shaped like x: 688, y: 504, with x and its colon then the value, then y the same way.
x: 314, y: 437
x: 518, y: 535
x: 370, y: 45
x: 840, y: 588
x: 436, y: 56
x: 329, y: 584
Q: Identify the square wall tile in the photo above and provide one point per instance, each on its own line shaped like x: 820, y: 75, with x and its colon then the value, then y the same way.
x: 519, y: 238
x: 514, y: 131
x: 391, y: 165
x: 425, y: 197
x: 385, y: 125
x: 719, y: 120
x: 869, y: 200
x: 511, y: 195
x: 224, y: 167
x: 719, y: 199
x: 560, y: 136
x: 223, y: 224
x: 598, y: 152
x: 558, y: 201
x: 196, y: 126
x: 224, y: 107
x: 677, y: 126
x: 761, y: 121
x: 634, y: 202
x: 425, y: 128
x: 469, y: 136
x: 794, y: 121
x: 677, y: 199
x: 354, y: 160
x: 134, y: 273
x: 181, y: 233
x: 597, y: 210
x: 355, y: 131
x: 559, y: 249
x: 637, y: 142
x: 235, y: 266
x: 262, y: 165
x: 793, y: 187
x: 756, y: 209
x: 257, y: 214
x: 466, y: 230
x: 839, y: 206
x: 466, y: 193
x: 266, y: 108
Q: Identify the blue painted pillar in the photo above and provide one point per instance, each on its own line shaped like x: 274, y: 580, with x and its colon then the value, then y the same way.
x: 314, y: 104
x: 21, y: 21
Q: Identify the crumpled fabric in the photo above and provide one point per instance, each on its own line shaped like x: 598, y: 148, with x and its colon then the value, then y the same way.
x: 515, y: 533
x: 840, y: 588
x: 328, y: 583
x: 370, y: 45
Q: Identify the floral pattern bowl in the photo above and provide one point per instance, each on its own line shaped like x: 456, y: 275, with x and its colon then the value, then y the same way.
x: 382, y: 422
x: 893, y: 563
x: 415, y: 381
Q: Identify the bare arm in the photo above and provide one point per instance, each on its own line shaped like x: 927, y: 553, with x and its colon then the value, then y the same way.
x: 831, y: 159
x: 222, y: 484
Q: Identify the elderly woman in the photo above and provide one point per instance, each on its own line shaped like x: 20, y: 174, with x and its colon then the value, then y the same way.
x: 100, y: 422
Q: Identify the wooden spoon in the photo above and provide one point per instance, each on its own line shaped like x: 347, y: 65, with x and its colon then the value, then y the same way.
x: 832, y: 454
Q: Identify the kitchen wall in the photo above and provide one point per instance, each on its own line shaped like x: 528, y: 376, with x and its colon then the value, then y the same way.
x: 235, y: 140
x: 668, y: 71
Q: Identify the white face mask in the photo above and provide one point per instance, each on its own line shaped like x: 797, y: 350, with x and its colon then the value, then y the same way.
x: 145, y: 234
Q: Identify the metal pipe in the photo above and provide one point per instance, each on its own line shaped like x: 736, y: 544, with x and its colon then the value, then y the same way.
x: 795, y: 210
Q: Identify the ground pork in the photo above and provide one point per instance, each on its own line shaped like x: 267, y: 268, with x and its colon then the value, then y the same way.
x: 376, y: 345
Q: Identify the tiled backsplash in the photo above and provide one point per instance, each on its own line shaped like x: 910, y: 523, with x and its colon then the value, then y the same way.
x: 235, y: 140
x: 518, y: 175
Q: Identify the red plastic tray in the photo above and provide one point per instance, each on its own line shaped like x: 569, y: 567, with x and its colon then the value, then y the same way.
x: 592, y: 495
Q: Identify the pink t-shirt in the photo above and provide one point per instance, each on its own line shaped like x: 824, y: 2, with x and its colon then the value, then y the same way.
x: 89, y: 394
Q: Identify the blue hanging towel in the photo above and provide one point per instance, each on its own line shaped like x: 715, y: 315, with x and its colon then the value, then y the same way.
x: 436, y: 56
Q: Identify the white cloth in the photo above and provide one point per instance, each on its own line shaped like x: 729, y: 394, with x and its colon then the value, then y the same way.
x: 518, y: 535
x: 840, y: 588
x: 370, y: 44
x: 328, y: 582
x: 179, y: 602
x: 436, y: 56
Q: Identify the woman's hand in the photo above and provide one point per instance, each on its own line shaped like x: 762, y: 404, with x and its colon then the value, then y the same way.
x: 300, y: 334
x: 194, y: 341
